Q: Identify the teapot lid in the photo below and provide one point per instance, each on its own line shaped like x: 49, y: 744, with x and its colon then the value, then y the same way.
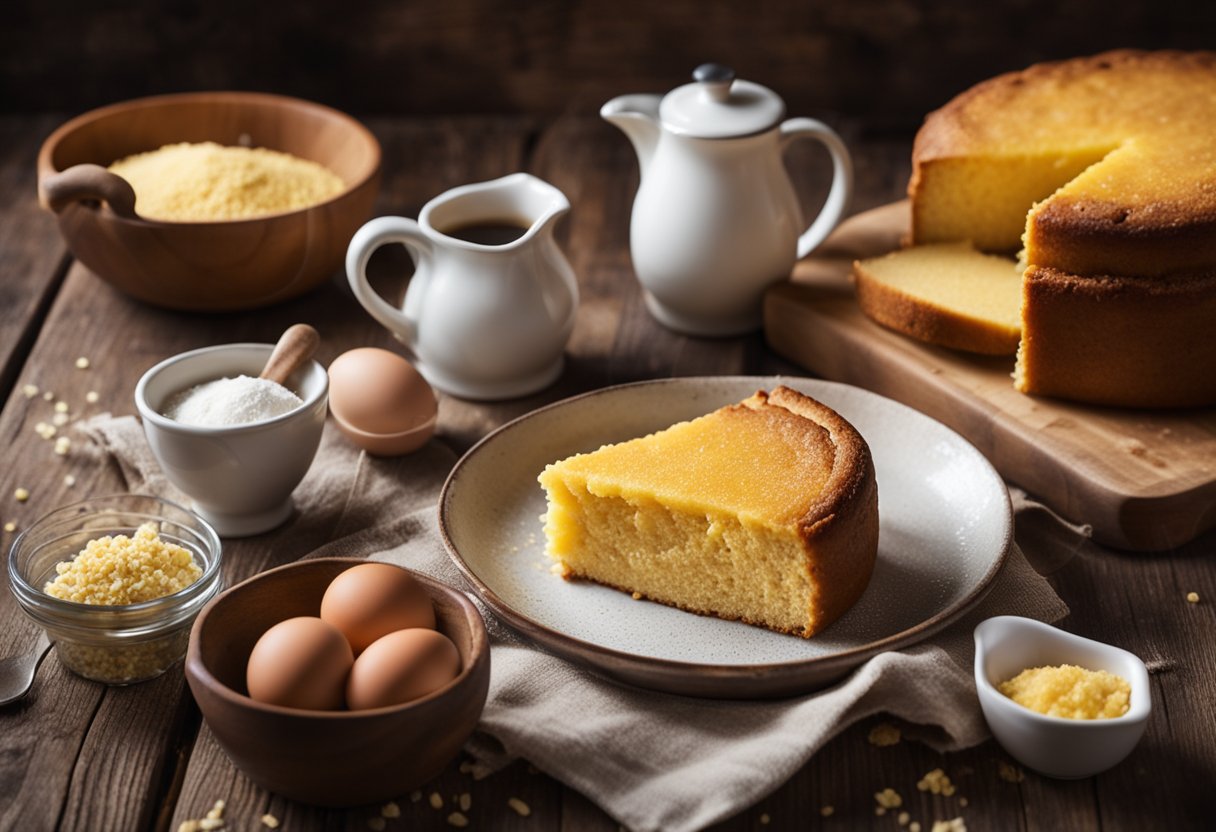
x: 718, y: 106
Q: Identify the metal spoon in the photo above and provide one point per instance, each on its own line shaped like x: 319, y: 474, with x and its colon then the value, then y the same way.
x: 17, y: 672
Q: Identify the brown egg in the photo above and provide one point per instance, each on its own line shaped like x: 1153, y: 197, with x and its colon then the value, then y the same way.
x: 401, y: 667
x: 378, y: 392
x: 300, y: 663
x: 372, y: 600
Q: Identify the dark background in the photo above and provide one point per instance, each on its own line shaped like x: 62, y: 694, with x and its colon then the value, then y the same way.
x: 887, y: 62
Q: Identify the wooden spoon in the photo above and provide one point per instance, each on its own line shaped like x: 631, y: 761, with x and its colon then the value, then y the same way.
x: 296, y: 345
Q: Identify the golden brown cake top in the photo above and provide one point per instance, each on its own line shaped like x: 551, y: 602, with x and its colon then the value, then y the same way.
x: 1152, y: 114
x: 780, y: 458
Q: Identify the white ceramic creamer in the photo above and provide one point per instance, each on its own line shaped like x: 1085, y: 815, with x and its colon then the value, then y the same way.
x: 716, y: 220
x: 485, y: 316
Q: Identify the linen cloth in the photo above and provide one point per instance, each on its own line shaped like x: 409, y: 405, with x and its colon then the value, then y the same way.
x: 653, y: 761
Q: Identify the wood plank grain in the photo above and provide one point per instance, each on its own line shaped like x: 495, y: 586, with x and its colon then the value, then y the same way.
x: 1144, y: 480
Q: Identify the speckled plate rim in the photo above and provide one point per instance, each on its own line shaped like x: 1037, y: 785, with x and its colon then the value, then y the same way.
x: 725, y: 681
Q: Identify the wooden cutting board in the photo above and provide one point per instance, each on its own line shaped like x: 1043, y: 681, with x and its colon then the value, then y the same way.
x: 1144, y: 480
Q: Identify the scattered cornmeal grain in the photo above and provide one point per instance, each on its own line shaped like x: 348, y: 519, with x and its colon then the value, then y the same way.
x: 765, y: 819
x: 827, y: 811
x: 1192, y: 597
x: 62, y: 446
x: 466, y: 802
x: 270, y: 821
x: 21, y: 494
x: 457, y: 819
x: 376, y: 824
x: 936, y: 782
x: 29, y: 391
x: 69, y: 480
x: 519, y: 807
x: 884, y: 734
x: 1069, y: 691
x: 390, y: 810
x: 60, y: 419
x: 48, y: 395
x: 436, y: 800
x: 44, y: 430
x: 92, y: 397
x: 206, y: 181
x: 216, y: 811
x: 1009, y: 772
x: 963, y: 802
x: 953, y: 825
x: 903, y: 818
x: 914, y: 826
x: 125, y: 570
x: 61, y: 406
x: 888, y: 799
x: 880, y: 810
x: 82, y: 363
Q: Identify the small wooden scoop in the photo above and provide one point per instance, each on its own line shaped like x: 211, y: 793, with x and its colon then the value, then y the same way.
x: 296, y: 345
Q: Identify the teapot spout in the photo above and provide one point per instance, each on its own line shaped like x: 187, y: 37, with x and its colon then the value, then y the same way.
x: 638, y: 118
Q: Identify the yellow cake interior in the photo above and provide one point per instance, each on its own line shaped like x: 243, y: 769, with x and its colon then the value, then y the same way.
x: 708, y: 515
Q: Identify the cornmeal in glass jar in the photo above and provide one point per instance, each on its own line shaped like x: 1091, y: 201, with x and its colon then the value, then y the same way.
x: 1070, y: 691
x: 125, y: 570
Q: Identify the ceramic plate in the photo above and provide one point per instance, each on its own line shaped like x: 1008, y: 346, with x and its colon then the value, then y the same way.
x: 945, y: 527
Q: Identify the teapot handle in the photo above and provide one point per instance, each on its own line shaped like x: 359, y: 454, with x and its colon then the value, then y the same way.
x: 363, y: 245
x: 842, y: 178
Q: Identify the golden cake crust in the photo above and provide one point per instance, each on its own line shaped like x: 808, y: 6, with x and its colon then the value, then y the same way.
x: 1147, y: 208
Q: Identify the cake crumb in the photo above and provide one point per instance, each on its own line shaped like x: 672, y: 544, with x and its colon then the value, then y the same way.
x: 92, y: 397
x: 1009, y: 772
x: 827, y: 810
x: 457, y: 819
x: 390, y: 810
x: 888, y: 799
x: 884, y: 734
x: 466, y: 801
x: 436, y: 800
x: 29, y: 391
x: 82, y: 363
x: 270, y: 821
x: 637, y: 596
x: 21, y: 494
x: 953, y: 825
x: 1192, y: 597
x: 519, y: 807
x: 376, y: 824
x: 936, y: 782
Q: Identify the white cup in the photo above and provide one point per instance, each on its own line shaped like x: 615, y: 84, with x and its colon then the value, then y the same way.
x: 239, y: 477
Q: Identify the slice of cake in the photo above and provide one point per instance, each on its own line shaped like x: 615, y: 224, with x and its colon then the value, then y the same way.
x: 765, y: 512
x: 947, y: 294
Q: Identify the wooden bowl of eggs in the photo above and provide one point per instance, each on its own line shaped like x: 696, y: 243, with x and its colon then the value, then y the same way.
x: 221, y: 200
x: 340, y: 682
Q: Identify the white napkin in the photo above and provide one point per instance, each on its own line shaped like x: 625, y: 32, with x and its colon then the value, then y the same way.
x: 653, y: 761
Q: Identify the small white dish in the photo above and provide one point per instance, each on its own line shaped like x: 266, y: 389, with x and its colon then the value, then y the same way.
x: 945, y: 527
x: 1056, y: 746
x: 240, y: 478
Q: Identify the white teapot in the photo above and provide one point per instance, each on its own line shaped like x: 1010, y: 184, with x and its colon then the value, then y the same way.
x: 716, y: 220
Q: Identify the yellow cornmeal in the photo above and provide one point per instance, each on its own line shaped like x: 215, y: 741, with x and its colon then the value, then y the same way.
x: 125, y: 570
x: 207, y: 181
x: 1070, y: 691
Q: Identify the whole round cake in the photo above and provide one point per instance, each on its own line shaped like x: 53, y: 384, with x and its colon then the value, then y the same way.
x: 1103, y: 170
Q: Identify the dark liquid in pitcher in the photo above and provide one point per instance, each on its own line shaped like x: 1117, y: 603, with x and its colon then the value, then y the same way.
x: 492, y: 232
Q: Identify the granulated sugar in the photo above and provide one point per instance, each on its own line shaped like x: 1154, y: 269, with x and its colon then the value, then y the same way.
x: 231, y: 401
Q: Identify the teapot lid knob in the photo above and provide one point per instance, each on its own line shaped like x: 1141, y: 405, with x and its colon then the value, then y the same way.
x: 716, y: 78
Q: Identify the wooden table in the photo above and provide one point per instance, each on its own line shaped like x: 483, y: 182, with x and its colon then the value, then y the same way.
x: 78, y: 755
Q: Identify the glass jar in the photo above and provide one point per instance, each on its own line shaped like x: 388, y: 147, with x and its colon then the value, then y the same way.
x: 123, y: 643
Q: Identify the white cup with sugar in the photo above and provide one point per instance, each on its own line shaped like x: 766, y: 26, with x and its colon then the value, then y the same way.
x: 239, y: 473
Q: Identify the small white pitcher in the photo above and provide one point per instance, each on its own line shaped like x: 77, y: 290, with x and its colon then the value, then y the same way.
x: 481, y: 320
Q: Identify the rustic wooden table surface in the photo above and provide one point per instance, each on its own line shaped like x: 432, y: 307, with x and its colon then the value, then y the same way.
x: 78, y: 755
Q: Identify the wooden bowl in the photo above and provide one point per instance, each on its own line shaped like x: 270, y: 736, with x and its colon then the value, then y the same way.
x: 330, y: 758
x: 219, y: 265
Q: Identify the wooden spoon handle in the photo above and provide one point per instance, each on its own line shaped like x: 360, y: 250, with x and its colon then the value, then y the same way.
x: 296, y: 346
x: 88, y: 182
